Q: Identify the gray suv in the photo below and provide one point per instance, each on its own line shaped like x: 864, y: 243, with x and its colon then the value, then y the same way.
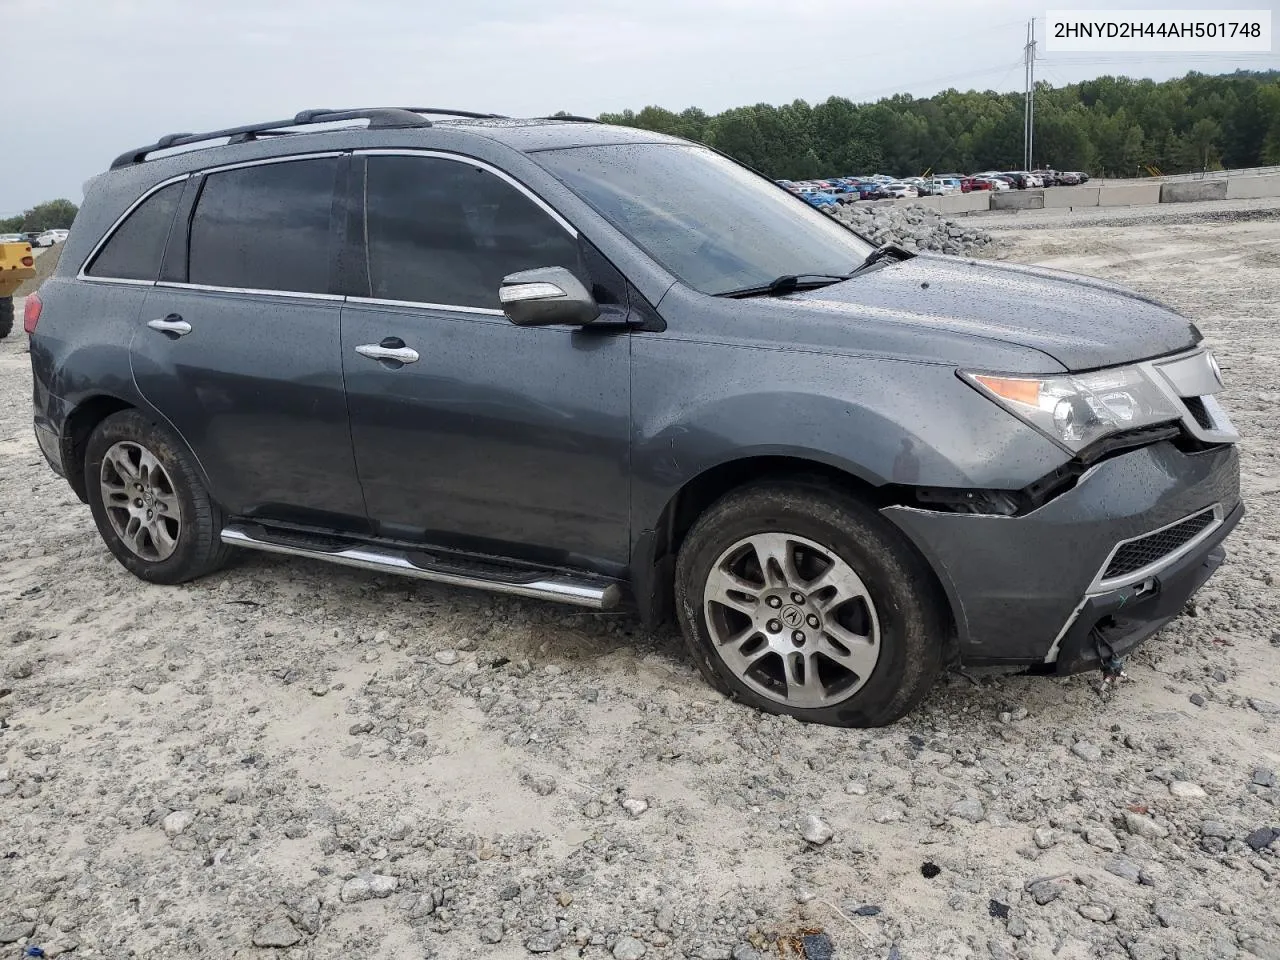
x: 597, y: 365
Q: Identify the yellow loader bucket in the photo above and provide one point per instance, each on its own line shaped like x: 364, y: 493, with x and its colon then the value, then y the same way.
x: 16, y: 264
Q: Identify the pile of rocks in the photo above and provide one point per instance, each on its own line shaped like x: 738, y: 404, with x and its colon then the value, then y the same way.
x: 914, y: 228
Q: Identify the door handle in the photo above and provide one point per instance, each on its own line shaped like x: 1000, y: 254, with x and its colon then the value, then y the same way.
x: 172, y: 324
x: 379, y: 351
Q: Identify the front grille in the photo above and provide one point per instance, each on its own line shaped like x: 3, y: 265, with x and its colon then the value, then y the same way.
x: 1144, y: 551
x: 1199, y: 411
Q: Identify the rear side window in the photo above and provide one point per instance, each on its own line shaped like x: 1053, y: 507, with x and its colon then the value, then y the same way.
x: 135, y: 249
x: 265, y: 227
x: 445, y: 232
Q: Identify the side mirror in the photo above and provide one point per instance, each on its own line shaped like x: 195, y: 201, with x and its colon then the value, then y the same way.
x: 545, y: 296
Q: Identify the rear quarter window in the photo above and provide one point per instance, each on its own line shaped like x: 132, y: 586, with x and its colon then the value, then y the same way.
x: 266, y: 227
x: 135, y: 249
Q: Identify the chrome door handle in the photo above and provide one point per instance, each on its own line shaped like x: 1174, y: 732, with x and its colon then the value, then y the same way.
x: 173, y: 324
x: 375, y: 351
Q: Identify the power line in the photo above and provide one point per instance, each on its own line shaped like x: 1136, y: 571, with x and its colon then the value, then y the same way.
x: 899, y: 87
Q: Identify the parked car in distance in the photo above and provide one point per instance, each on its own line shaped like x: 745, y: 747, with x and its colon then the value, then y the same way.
x: 901, y: 190
x: 49, y: 238
x: 866, y: 188
x: 1074, y: 177
x: 13, y: 238
x: 945, y: 185
x: 1048, y: 178
x: 928, y: 458
x: 969, y: 184
x: 997, y: 181
x: 820, y: 199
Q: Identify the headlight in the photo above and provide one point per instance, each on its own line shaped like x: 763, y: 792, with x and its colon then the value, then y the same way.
x: 1076, y: 409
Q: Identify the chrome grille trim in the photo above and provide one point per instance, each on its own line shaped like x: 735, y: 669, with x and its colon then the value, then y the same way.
x: 1103, y: 584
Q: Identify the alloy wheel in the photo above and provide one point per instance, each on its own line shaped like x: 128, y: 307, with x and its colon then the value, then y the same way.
x: 792, y: 620
x: 140, y: 501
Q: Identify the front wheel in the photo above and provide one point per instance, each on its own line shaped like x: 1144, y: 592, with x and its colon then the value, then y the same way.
x: 801, y: 600
x: 149, y: 502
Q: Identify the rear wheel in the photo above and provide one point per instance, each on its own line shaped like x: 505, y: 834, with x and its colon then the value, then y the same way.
x: 6, y: 316
x: 149, y: 502
x: 804, y: 601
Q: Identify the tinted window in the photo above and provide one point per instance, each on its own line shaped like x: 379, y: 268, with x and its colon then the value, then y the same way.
x: 265, y: 227
x: 134, y: 251
x: 440, y: 231
x: 714, y: 224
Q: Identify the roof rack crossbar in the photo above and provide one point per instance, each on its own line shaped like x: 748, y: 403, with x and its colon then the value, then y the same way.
x: 378, y: 117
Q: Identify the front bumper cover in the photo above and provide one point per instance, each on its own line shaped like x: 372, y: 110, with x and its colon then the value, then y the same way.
x: 1019, y: 586
x: 1124, y: 618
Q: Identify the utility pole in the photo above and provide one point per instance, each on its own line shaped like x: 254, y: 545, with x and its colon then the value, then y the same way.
x: 1029, y: 102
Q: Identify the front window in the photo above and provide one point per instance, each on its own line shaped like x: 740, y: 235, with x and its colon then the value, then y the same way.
x: 712, y: 223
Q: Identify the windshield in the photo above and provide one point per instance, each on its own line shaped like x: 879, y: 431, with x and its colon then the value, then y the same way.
x: 713, y: 224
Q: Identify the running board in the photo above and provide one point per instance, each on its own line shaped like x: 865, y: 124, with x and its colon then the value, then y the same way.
x: 595, y: 593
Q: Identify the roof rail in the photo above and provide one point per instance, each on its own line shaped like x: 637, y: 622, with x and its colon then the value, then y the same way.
x: 443, y: 112
x: 571, y: 118
x: 384, y: 118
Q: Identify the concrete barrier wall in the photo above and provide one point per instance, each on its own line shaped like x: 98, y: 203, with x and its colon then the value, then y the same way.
x: 1071, y: 197
x: 1252, y: 188
x: 1104, y: 195
x: 976, y: 202
x: 1018, y: 200
x: 1139, y: 193
x: 934, y: 203
x: 1189, y: 190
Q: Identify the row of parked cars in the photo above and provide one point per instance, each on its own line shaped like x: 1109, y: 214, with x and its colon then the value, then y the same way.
x: 835, y: 190
x: 46, y: 239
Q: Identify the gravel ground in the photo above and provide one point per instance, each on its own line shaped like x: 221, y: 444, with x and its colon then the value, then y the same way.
x: 291, y: 759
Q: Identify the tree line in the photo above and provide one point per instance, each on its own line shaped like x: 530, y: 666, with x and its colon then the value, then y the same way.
x: 50, y: 215
x: 1108, y: 127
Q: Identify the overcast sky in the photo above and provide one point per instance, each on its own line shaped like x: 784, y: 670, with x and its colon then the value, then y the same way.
x: 88, y: 79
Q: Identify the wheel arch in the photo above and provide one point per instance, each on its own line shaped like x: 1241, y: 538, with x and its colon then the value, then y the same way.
x: 80, y: 423
x: 653, y: 559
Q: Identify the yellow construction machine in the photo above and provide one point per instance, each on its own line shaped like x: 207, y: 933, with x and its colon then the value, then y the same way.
x: 16, y: 265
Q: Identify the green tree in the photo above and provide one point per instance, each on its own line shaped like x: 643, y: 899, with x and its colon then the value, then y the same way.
x: 1198, y: 147
x: 50, y: 215
x: 1108, y: 126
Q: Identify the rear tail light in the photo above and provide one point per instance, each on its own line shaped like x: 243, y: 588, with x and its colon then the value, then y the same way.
x: 31, y: 313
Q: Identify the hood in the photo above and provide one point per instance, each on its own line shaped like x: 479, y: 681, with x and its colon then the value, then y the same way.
x: 1081, y: 322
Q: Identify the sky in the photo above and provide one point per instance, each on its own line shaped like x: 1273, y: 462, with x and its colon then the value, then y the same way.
x: 97, y: 77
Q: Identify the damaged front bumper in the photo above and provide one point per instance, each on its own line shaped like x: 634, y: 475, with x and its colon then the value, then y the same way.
x: 1091, y: 573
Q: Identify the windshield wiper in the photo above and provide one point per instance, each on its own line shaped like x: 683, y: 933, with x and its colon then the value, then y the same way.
x: 788, y: 283
x: 878, y: 254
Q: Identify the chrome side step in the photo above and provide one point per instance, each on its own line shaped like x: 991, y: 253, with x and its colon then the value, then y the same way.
x: 594, y: 593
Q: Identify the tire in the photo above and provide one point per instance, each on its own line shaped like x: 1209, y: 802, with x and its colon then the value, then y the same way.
x: 901, y: 619
x: 6, y: 316
x: 183, y: 541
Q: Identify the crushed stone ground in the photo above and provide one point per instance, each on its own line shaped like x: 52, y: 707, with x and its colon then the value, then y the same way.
x: 290, y: 759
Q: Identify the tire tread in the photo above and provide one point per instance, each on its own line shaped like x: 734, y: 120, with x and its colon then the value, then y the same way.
x: 925, y: 621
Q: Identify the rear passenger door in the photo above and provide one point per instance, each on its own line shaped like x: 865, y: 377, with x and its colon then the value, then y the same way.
x: 494, y: 438
x: 238, y: 345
